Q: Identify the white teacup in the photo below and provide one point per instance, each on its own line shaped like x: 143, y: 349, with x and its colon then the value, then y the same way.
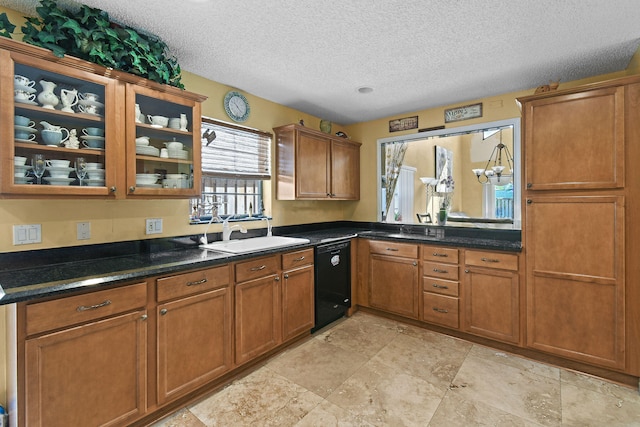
x: 164, y: 153
x: 19, y: 160
x: 95, y: 166
x: 24, y: 96
x: 23, y: 121
x: 23, y: 81
x: 158, y: 120
x: 89, y: 109
x: 61, y: 173
x: 55, y: 163
x: 25, y: 136
x: 88, y: 96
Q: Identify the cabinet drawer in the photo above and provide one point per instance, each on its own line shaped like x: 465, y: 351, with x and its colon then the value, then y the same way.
x: 444, y: 287
x: 192, y: 283
x: 491, y: 260
x: 394, y: 249
x: 258, y: 267
x: 68, y: 311
x: 435, y: 254
x: 440, y: 270
x: 297, y: 259
x: 440, y: 309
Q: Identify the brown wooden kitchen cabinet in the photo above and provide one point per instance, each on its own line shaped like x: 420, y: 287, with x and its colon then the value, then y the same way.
x: 86, y: 352
x: 258, y: 320
x: 297, y: 293
x: 440, y: 286
x: 492, y: 295
x: 313, y: 165
x: 581, y: 223
x: 113, y: 111
x: 194, y: 330
x: 393, y: 277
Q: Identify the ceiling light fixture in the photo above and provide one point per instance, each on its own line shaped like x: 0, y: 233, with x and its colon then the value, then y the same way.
x: 494, y: 174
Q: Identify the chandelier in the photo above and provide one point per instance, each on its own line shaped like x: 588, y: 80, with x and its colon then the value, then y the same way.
x: 496, y: 174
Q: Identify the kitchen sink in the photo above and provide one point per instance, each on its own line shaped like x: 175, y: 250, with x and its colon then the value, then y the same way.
x: 241, y: 246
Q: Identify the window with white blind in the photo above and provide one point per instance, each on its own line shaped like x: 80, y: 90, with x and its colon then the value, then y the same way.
x: 235, y: 162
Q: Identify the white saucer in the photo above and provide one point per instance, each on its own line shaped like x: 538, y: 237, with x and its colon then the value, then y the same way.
x: 149, y: 185
x: 90, y: 114
x: 157, y: 126
x: 25, y: 129
x: 92, y: 137
x: 25, y: 101
x: 92, y: 148
x: 86, y: 102
x: 58, y: 169
x: 26, y: 141
x: 24, y: 88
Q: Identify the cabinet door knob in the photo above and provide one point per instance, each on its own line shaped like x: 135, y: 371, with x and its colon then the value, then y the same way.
x: 529, y: 185
x: 415, y: 263
x: 163, y: 311
x: 286, y: 276
x: 132, y: 189
x: 113, y: 189
x: 529, y: 201
x: 277, y: 278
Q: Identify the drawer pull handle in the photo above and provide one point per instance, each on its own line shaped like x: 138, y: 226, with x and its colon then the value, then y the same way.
x: 262, y: 267
x: 440, y: 310
x: 197, y: 282
x: 489, y: 259
x: 441, y: 255
x: 435, y: 285
x: 392, y: 249
x: 437, y: 270
x: 299, y: 259
x: 93, y: 307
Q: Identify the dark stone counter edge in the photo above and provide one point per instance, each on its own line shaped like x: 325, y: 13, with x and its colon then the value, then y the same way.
x: 54, y: 272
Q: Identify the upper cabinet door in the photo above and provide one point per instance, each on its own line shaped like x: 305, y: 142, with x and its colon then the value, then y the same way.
x: 62, y: 114
x: 162, y: 143
x: 575, y: 141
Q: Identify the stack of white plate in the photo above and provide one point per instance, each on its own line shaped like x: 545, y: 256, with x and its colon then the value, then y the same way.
x: 95, y: 174
x: 57, y: 172
x: 178, y: 154
x: 58, y: 181
x: 94, y: 182
x: 22, y: 179
x: 147, y: 150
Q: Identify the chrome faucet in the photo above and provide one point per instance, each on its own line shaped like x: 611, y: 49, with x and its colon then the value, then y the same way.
x: 227, y: 230
x: 268, y: 227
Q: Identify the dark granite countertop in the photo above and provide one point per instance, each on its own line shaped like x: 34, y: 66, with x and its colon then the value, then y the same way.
x: 43, y: 273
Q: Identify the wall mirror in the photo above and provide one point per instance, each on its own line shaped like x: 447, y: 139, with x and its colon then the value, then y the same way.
x: 472, y: 172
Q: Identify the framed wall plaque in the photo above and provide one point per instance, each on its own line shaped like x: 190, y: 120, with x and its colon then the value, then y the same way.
x: 463, y: 113
x: 403, y: 124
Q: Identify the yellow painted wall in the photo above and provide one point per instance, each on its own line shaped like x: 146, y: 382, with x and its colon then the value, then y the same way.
x: 113, y: 221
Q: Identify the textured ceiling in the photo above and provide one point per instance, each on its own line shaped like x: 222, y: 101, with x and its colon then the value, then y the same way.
x: 415, y: 54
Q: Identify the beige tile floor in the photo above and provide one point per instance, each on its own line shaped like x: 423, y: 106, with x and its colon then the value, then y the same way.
x: 371, y: 371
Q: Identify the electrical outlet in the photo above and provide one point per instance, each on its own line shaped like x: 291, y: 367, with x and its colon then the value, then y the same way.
x: 83, y: 230
x: 153, y: 226
x: 27, y: 234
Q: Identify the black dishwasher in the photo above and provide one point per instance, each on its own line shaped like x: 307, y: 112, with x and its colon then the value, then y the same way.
x: 333, y: 282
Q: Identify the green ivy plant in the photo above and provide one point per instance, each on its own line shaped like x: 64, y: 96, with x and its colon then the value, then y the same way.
x: 88, y: 34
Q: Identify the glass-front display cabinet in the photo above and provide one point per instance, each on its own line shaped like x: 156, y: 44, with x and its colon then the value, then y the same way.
x: 72, y: 128
x: 163, y: 143
x: 58, y: 129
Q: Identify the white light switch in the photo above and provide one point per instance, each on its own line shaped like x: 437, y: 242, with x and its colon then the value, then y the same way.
x: 83, y: 230
x: 27, y: 234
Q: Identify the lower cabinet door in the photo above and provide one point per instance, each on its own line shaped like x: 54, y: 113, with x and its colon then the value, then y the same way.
x: 393, y: 285
x: 258, y: 320
x: 194, y: 342
x: 89, y: 375
x: 297, y: 302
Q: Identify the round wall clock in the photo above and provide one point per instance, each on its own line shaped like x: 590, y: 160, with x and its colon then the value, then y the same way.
x: 236, y: 106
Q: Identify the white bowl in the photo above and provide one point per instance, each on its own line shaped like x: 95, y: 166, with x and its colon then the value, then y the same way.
x: 59, y: 172
x: 55, y: 163
x: 58, y: 181
x: 173, y: 145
